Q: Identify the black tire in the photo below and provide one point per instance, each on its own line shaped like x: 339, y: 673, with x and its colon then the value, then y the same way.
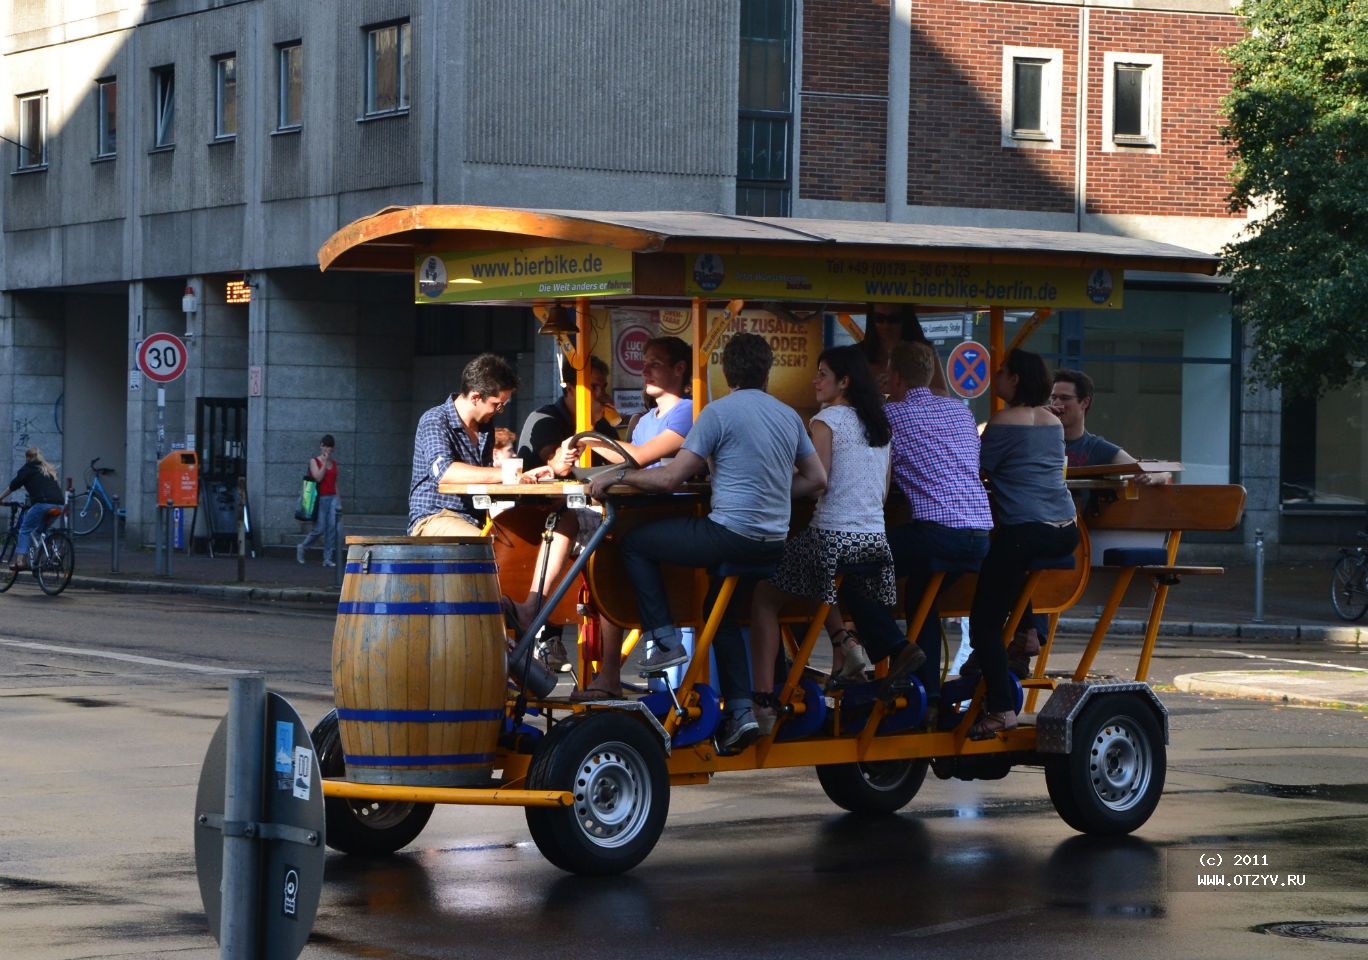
x: 616, y: 768
x: 1349, y: 587
x: 86, y: 515
x: 54, y: 568
x: 881, y: 787
x: 8, y: 554
x: 1112, y: 780
x: 368, y: 828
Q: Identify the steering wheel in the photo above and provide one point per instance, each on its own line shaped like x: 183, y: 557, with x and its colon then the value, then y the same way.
x: 585, y: 474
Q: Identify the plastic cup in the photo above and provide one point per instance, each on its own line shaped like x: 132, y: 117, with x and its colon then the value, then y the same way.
x: 512, y: 469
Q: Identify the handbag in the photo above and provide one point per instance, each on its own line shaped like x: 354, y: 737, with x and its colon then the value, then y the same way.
x: 308, y: 500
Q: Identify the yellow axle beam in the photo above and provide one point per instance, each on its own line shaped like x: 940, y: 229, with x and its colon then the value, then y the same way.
x: 470, y: 796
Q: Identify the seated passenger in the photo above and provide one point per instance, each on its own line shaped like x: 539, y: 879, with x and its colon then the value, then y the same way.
x: 851, y: 436
x: 886, y: 326
x: 935, y: 460
x: 753, y: 443
x: 1023, y: 458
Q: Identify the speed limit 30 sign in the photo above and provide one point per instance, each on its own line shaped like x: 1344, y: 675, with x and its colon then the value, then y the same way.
x: 162, y: 357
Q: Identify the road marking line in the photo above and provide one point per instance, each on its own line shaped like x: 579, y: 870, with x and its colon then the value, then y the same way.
x: 965, y: 924
x: 1305, y: 663
x: 126, y: 657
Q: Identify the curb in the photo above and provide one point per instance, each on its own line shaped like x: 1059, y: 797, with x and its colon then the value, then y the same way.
x: 1351, y: 636
x: 218, y: 591
x: 1211, y: 684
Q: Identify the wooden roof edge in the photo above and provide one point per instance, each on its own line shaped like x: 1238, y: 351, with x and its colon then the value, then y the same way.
x: 393, y: 221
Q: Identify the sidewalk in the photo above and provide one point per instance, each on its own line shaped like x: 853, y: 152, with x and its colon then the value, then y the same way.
x: 1346, y: 689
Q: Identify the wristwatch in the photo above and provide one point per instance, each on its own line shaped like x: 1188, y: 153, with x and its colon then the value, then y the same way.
x: 618, y: 477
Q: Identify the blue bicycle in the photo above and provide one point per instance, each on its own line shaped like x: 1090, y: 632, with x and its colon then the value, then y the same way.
x: 88, y: 509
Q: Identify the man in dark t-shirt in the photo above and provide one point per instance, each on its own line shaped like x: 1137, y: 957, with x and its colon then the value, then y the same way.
x: 546, y: 428
x: 1070, y: 399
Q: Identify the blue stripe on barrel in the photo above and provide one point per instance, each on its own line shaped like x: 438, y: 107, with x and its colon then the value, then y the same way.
x: 409, y: 566
x: 386, y: 608
x: 418, y: 716
x: 439, y: 759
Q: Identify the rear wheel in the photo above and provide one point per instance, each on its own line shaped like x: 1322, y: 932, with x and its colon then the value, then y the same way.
x: 8, y: 554
x: 616, y: 769
x: 372, y: 828
x: 1112, y: 779
x: 54, y: 563
x: 1349, y: 587
x: 88, y: 516
x: 879, y: 787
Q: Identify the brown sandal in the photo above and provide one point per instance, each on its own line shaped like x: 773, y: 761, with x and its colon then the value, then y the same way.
x: 592, y: 694
x: 989, y: 725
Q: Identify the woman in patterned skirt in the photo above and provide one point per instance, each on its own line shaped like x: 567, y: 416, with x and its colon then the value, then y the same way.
x: 851, y: 435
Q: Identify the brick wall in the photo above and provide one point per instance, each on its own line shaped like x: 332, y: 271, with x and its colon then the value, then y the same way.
x: 1189, y: 174
x: 844, y: 99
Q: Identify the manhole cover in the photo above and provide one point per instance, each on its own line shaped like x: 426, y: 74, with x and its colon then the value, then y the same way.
x: 1327, y: 930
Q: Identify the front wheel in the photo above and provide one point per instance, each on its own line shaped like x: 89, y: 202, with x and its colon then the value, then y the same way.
x: 88, y: 517
x: 54, y: 562
x: 615, y: 767
x: 1349, y: 587
x: 372, y: 828
x: 1111, y: 781
x: 878, y: 787
x: 8, y: 554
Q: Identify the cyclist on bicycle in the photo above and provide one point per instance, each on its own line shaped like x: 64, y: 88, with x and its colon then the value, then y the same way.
x: 39, y: 479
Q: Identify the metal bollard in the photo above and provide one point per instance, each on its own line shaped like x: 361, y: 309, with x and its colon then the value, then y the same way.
x: 160, y: 562
x: 114, y: 537
x: 240, y: 919
x: 339, y: 551
x: 1258, y: 576
x: 169, y: 537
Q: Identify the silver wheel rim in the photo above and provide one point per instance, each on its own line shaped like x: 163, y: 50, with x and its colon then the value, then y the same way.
x: 612, y: 795
x: 379, y: 816
x: 885, y: 775
x: 1120, y: 764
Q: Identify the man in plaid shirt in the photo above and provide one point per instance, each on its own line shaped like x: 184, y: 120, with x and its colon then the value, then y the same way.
x: 455, y: 442
x: 936, y: 466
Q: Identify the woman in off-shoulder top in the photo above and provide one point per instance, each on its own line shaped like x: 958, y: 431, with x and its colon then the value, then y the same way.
x: 1022, y: 454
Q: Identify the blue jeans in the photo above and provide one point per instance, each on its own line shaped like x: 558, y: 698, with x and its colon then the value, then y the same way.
x: 915, y: 546
x: 325, y: 526
x: 696, y: 542
x: 34, y: 523
x: 1000, y: 581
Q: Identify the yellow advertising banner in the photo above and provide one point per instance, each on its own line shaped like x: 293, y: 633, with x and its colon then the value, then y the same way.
x: 529, y: 273
x: 796, y: 344
x: 854, y: 280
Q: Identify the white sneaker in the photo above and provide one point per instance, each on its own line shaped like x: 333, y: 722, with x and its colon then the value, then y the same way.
x: 299, y: 553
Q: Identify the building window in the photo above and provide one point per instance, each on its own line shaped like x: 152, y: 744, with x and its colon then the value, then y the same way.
x: 387, y: 68
x: 225, y: 96
x: 1031, y: 92
x: 1131, y: 98
x: 764, y: 168
x: 1324, y: 453
x: 290, y: 75
x: 107, y: 117
x: 163, y: 106
x: 33, y: 131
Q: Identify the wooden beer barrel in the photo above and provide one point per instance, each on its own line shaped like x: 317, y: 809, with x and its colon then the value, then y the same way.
x: 419, y: 660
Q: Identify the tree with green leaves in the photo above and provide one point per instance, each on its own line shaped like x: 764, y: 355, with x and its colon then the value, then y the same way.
x: 1298, y: 129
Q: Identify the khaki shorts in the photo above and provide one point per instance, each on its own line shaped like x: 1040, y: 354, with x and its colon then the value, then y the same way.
x: 447, y: 523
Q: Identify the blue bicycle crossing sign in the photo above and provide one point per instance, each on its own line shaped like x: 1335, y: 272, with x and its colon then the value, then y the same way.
x: 967, y: 370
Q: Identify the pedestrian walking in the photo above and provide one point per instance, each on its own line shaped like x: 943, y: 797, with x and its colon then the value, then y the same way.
x: 323, y: 470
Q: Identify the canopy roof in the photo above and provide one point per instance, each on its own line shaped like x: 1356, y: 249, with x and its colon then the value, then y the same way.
x: 391, y: 239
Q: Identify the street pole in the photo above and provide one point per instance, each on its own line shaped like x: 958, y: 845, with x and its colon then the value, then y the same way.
x: 1258, y: 576
x: 114, y: 538
x: 240, y: 920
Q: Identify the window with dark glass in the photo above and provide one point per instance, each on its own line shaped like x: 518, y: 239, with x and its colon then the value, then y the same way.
x: 107, y: 117
x: 225, y: 96
x: 387, y: 68
x: 1028, y: 91
x: 290, y: 83
x: 765, y: 129
x: 1129, y: 102
x: 163, y: 106
x: 32, y: 131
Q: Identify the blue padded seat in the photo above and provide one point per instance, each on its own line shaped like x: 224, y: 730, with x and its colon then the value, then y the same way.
x: 1135, y: 557
x: 944, y: 565
x: 746, y: 571
x: 1065, y: 562
x: 858, y: 569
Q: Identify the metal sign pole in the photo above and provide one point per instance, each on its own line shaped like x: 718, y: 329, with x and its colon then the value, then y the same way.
x: 240, y: 919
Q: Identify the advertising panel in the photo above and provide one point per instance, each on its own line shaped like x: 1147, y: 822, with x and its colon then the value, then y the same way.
x: 528, y: 273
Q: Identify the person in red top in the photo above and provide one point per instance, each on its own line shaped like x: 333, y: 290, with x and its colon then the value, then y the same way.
x: 323, y: 469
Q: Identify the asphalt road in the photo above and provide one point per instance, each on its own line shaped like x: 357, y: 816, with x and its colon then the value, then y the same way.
x: 107, y: 703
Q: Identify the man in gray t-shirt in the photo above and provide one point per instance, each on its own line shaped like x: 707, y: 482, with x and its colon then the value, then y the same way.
x: 751, y: 442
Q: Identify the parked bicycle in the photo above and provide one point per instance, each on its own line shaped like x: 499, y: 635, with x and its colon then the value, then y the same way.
x: 1349, y: 582
x: 52, y: 559
x: 89, y: 508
